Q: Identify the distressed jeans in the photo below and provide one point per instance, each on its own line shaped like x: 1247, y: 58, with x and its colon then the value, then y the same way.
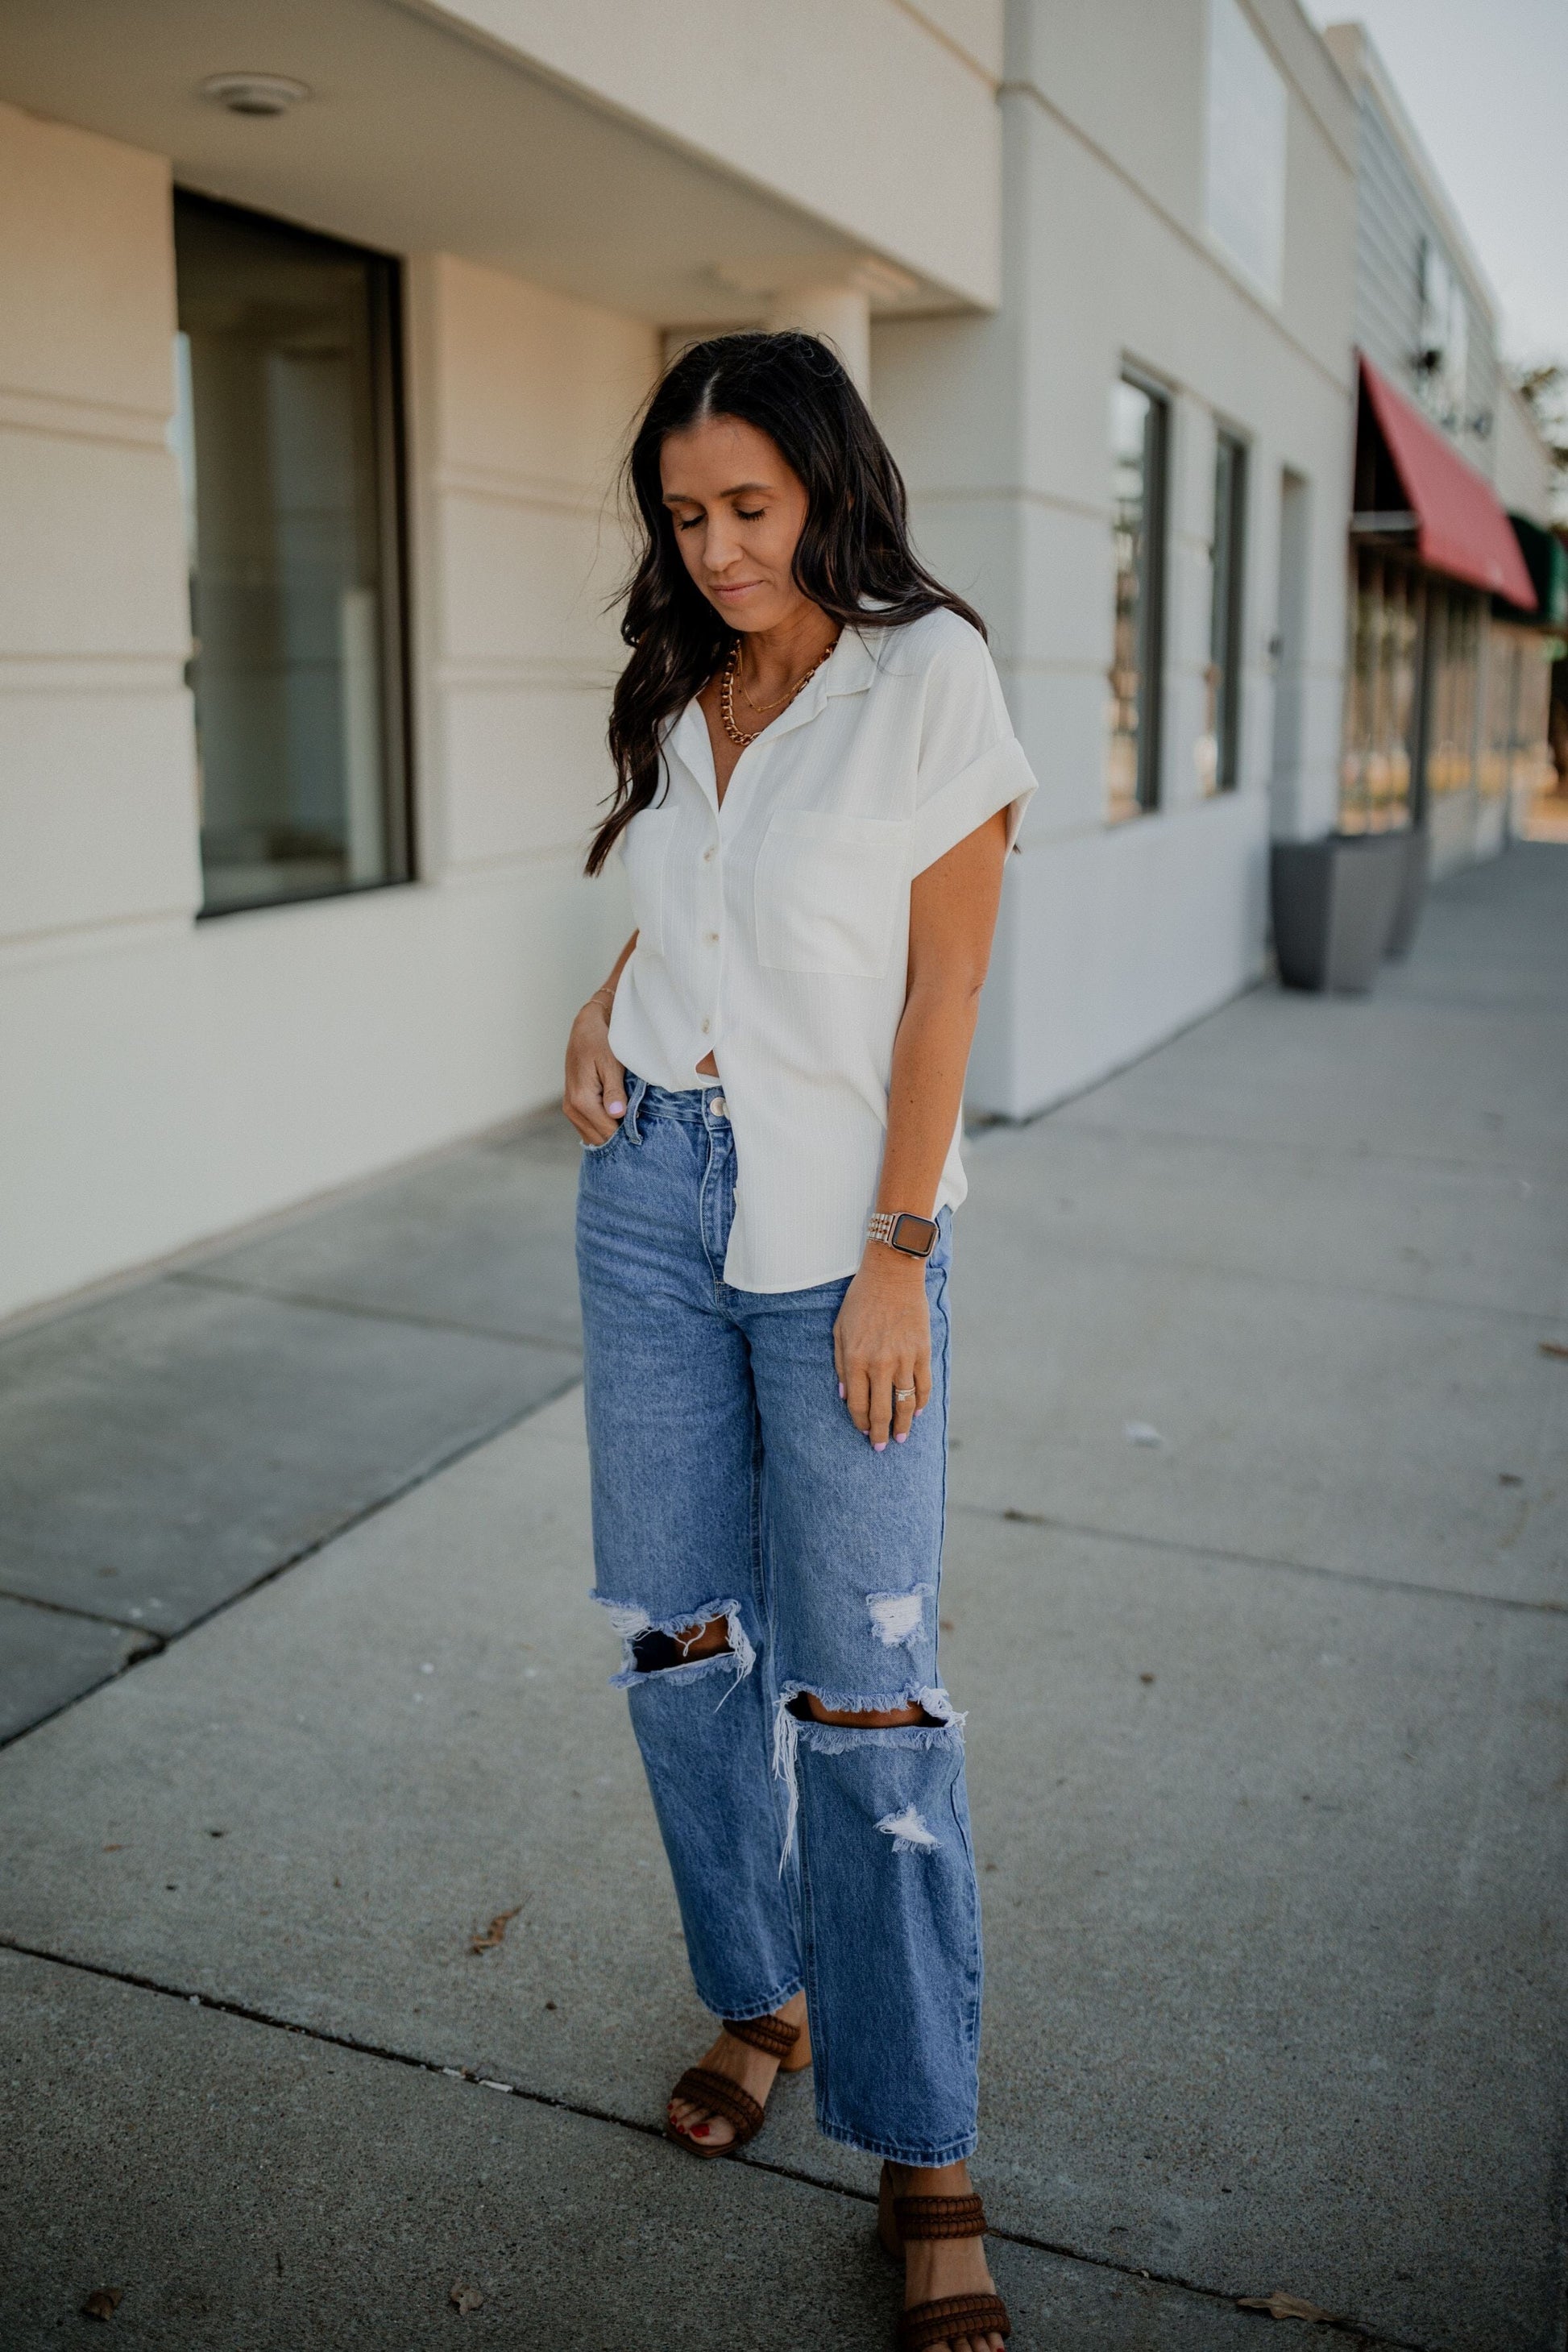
x: 728, y: 1481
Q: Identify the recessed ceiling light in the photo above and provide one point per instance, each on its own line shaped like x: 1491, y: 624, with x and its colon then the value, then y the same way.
x: 254, y: 93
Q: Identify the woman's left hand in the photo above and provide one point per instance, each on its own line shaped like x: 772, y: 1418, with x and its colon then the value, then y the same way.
x: 881, y: 1345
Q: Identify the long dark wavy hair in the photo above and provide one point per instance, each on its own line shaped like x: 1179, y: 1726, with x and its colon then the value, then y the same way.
x: 853, y: 551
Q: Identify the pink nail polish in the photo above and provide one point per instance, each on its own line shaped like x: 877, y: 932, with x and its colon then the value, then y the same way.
x: 841, y: 1388
x: 615, y: 1109
x: 900, y: 1437
x: 879, y: 1445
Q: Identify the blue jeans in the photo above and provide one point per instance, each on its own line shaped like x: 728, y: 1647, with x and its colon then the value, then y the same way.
x: 728, y: 1481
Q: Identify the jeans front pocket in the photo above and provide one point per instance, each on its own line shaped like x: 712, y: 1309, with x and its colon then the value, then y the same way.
x: 598, y: 1150
x: 827, y: 892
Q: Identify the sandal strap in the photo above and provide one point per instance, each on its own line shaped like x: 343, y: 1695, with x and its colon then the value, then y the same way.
x: 939, y: 2217
x: 768, y: 2035
x: 929, y: 2323
x: 721, y: 2096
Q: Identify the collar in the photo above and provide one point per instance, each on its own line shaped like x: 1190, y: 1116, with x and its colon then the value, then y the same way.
x: 848, y: 669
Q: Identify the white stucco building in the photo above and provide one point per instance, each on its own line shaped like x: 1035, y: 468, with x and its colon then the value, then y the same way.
x: 295, y: 894
x: 418, y: 644
x: 1153, y: 429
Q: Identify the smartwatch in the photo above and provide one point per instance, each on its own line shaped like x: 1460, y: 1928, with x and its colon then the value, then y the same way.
x: 915, y: 1236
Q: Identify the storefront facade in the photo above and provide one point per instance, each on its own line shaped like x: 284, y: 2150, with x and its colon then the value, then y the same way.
x: 1446, y: 661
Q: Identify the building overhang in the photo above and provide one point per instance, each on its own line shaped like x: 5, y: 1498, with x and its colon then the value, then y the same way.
x: 1546, y: 560
x: 422, y: 133
x: 1460, y: 530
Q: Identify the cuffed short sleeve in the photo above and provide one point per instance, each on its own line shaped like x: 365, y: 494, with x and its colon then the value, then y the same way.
x: 1000, y: 778
x: 971, y: 762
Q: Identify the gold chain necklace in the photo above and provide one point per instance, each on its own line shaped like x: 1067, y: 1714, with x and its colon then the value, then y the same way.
x: 727, y: 694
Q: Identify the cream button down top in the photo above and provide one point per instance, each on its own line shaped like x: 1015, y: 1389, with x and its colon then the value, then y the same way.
x: 773, y: 931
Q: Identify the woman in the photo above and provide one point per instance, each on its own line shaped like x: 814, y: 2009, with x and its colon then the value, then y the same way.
x: 818, y: 785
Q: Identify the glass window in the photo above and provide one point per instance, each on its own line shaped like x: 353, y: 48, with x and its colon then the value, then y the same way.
x: 1219, y: 745
x: 1244, y: 194
x: 1452, y: 691
x: 1139, y: 427
x: 287, y: 434
x: 1502, y: 699
x: 1376, y: 768
x: 1442, y: 361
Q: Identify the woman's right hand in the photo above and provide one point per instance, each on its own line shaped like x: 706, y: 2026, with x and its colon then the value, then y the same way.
x: 595, y: 1097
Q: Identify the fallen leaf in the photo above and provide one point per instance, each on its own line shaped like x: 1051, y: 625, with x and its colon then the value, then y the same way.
x: 1554, y: 1348
x: 496, y: 1932
x: 1285, y: 2306
x: 466, y: 2298
x: 103, y: 2303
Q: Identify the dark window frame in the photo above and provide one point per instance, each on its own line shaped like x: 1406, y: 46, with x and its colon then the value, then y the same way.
x: 386, y: 284
x: 1153, y: 537
x: 1228, y: 606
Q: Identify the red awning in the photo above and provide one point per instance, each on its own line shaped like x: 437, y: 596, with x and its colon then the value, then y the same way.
x: 1463, y: 529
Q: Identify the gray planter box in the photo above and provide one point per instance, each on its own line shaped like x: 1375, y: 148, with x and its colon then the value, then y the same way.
x: 1334, y: 903
x: 1411, y: 890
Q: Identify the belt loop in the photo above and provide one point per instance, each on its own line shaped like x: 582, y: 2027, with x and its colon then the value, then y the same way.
x: 635, y: 1090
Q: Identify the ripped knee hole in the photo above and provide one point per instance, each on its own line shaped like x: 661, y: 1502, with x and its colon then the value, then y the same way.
x: 655, y: 1652
x: 808, y: 1708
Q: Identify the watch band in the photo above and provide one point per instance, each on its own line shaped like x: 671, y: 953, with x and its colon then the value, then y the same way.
x: 900, y: 1230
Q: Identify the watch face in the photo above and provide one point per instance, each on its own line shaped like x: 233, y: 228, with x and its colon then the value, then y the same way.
x: 917, y: 1235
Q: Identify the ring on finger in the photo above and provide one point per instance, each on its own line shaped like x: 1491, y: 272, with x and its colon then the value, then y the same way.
x: 902, y: 1396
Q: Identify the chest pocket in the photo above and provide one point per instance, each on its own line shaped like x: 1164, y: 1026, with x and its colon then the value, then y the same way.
x: 828, y: 891
x: 646, y: 855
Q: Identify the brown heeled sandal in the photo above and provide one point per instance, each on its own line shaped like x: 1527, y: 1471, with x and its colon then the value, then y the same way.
x: 925, y: 2324
x: 721, y: 2097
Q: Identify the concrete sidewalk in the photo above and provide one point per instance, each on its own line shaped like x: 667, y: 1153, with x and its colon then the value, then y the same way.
x: 1257, y: 1594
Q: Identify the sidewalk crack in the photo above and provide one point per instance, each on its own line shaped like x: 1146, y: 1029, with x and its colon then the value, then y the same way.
x: 1363, y: 2338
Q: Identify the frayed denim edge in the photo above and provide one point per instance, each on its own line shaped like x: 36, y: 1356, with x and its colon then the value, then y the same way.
x: 839, y: 1739
x: 631, y: 1621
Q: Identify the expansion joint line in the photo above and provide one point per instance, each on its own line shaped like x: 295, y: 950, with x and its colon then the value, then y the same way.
x: 157, y: 1642
x: 1350, y: 2335
x: 1136, y: 1541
